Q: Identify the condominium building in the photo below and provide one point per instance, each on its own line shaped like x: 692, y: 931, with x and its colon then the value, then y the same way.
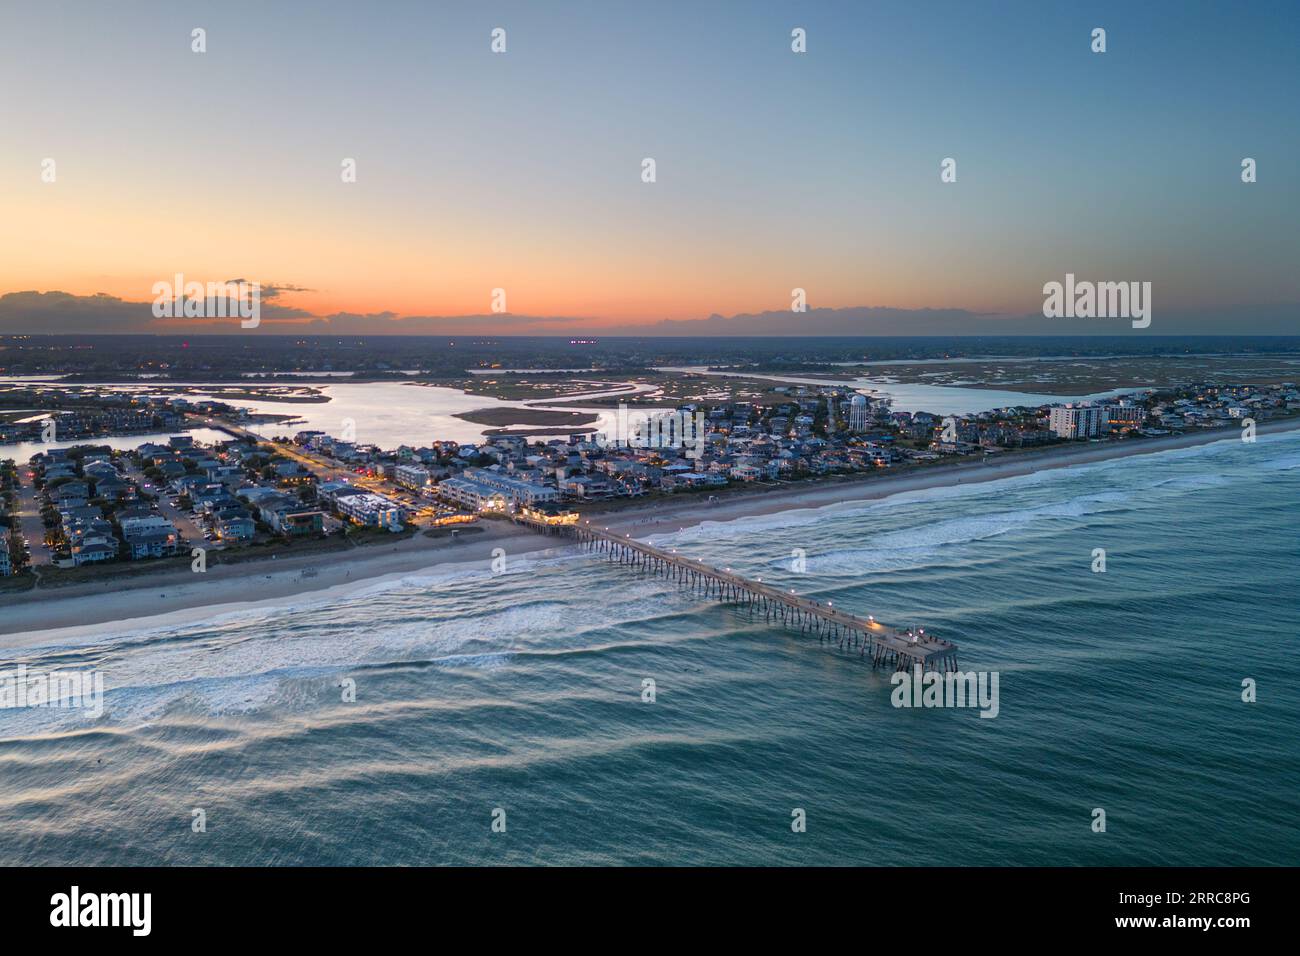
x: 372, y: 510
x: 415, y: 477
x: 517, y: 491
x: 1077, y: 421
x: 474, y: 495
x: 1125, y: 415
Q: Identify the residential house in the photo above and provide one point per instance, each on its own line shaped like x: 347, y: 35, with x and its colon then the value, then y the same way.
x: 152, y: 537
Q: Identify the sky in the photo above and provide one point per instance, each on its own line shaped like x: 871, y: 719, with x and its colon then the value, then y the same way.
x: 522, y: 170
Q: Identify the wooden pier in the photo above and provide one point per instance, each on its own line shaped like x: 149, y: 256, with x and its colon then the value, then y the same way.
x: 885, y: 646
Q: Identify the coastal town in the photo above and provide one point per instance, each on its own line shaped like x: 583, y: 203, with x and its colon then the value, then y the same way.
x: 84, y: 504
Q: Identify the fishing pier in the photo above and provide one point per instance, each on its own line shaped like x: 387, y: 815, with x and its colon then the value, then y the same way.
x: 885, y: 646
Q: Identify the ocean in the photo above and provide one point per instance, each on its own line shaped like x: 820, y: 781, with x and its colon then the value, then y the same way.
x: 519, y: 699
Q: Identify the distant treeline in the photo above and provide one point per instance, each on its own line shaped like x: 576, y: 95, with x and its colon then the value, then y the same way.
x: 218, y: 357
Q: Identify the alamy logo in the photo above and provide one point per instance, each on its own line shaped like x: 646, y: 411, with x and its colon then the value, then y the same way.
x: 233, y: 298
x: 951, y: 689
x: 103, y: 909
x: 1098, y: 300
x: 679, y: 429
x: 63, y: 689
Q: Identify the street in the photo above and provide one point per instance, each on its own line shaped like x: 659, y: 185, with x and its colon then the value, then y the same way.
x: 29, y: 520
x: 191, y: 531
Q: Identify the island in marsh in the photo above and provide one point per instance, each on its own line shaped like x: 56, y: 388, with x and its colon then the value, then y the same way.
x: 537, y: 417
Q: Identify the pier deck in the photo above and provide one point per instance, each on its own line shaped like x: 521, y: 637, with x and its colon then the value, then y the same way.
x: 901, y: 648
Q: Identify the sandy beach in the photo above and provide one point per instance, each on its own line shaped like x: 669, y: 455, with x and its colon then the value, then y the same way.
x: 29, y: 618
x: 667, y: 515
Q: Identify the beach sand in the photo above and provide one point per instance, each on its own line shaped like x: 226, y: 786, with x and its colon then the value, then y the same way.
x: 76, y: 612
x: 30, y: 618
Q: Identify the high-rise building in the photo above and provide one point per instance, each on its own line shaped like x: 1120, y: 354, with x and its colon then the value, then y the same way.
x: 1077, y: 421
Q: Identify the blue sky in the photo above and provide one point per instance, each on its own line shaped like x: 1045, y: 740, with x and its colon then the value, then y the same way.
x: 775, y: 170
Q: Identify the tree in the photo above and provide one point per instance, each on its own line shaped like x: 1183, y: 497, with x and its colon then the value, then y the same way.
x: 18, y: 556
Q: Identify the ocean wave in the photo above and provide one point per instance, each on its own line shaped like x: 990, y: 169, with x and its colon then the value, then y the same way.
x: 269, y: 611
x: 1269, y: 452
x: 243, y: 662
x: 461, y: 615
x: 922, y: 545
x: 1281, y: 464
x: 1184, y: 482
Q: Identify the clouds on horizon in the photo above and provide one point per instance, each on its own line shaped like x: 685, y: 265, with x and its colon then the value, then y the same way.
x: 62, y: 313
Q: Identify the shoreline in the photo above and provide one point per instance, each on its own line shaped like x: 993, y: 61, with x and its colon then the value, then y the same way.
x: 32, y: 617
x: 812, y: 495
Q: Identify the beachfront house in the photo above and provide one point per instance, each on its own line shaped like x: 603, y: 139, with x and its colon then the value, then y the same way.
x: 284, y: 514
x: 93, y: 551
x: 587, y: 486
x: 153, y: 537
x: 236, y: 527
